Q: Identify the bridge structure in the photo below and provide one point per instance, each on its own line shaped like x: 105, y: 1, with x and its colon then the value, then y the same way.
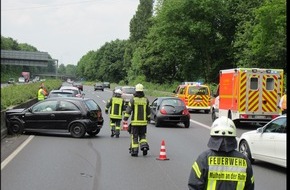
x: 26, y: 58
x: 32, y: 59
x: 60, y: 76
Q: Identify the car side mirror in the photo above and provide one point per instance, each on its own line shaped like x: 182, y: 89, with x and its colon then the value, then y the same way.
x: 260, y: 130
x: 30, y: 110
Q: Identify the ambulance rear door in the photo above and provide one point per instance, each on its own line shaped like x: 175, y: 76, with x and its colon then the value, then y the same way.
x: 259, y: 95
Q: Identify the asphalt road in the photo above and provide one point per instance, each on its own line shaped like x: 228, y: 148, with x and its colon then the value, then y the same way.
x: 58, y: 161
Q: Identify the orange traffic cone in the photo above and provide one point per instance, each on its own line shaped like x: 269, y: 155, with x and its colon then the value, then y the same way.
x: 162, y: 155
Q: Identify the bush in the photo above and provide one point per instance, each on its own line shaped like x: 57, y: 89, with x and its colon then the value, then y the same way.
x: 17, y: 94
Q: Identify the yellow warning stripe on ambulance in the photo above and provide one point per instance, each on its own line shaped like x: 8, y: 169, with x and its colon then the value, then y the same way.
x: 270, y: 96
x: 253, y: 98
x: 199, y: 100
x: 242, y: 98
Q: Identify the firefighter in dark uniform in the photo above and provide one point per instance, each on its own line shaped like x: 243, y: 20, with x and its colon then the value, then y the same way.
x: 222, y: 167
x: 116, y: 106
x: 139, y: 107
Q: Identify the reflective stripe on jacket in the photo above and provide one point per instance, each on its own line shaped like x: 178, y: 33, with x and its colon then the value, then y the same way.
x: 221, y: 171
x: 116, y: 104
x: 139, y: 106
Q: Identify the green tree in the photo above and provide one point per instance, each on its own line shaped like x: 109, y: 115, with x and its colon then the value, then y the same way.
x: 61, y: 69
x: 266, y: 37
x: 140, y: 23
x: 71, y: 70
x: 188, y: 40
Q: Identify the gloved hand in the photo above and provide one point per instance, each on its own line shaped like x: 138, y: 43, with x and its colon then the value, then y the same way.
x: 106, y: 111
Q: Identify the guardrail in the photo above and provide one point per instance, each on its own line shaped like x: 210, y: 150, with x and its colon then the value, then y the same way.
x: 3, y: 122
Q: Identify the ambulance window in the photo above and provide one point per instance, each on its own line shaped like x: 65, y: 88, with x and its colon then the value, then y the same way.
x: 270, y: 84
x: 254, y: 84
x: 181, y: 90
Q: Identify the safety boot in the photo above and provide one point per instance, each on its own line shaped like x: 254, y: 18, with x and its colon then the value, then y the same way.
x: 134, y: 152
x: 113, y: 133
x: 117, y: 133
x: 144, y: 147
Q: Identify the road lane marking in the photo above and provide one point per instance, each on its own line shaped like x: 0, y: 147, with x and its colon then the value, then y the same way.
x: 201, y: 124
x: 206, y: 126
x: 11, y: 156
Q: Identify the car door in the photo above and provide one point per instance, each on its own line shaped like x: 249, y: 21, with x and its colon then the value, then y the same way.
x: 280, y: 141
x: 153, y: 109
x: 66, y: 112
x: 41, y: 115
x: 264, y: 145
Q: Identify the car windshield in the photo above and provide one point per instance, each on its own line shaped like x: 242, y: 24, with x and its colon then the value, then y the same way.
x: 61, y: 94
x: 129, y: 90
x: 197, y: 90
x: 173, y: 102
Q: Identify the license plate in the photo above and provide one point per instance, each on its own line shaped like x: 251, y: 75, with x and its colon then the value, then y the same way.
x: 259, y: 116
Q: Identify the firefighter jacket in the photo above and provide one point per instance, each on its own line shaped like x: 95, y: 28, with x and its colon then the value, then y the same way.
x: 117, y: 105
x: 218, y: 170
x: 139, y: 107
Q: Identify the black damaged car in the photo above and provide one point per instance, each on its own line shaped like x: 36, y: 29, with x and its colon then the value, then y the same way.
x: 76, y: 116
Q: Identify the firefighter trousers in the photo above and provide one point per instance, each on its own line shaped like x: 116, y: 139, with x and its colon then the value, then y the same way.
x: 138, y: 136
x: 115, y: 125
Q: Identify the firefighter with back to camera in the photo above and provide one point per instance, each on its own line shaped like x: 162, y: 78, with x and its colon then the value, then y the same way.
x: 116, y: 106
x: 221, y: 167
x: 140, y: 110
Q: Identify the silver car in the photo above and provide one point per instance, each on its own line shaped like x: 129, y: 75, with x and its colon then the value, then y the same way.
x: 127, y: 93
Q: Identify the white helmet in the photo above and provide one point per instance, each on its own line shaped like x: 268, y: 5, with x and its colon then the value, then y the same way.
x: 223, y: 126
x: 139, y: 88
x: 118, y: 91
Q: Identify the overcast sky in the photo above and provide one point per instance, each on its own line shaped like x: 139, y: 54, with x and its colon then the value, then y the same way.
x: 67, y: 29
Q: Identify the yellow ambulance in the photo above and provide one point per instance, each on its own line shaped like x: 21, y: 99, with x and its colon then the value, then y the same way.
x: 195, y: 95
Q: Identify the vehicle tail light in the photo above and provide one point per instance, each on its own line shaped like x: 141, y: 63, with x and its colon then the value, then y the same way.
x: 244, y: 116
x: 274, y: 116
x: 163, y: 111
x: 185, y: 112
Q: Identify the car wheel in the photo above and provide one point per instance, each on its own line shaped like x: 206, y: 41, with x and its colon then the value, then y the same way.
x: 77, y: 130
x: 157, y: 124
x: 245, y: 149
x: 94, y: 133
x: 187, y: 124
x: 213, y: 116
x: 16, y: 127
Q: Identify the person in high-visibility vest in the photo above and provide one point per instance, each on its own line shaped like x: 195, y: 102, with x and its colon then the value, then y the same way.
x: 221, y: 166
x: 116, y: 106
x: 139, y: 107
x: 42, y: 92
x: 283, y: 103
